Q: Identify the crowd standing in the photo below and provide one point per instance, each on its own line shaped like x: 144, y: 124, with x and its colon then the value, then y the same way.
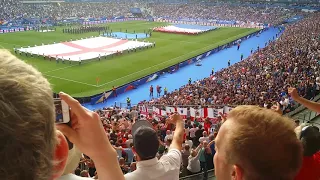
x: 34, y: 147
x: 263, y: 78
x: 13, y: 8
x: 223, y: 11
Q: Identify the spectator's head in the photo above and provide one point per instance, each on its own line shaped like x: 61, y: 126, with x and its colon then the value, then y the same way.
x: 133, y: 166
x: 129, y: 136
x: 121, y: 161
x: 193, y: 153
x: 257, y: 143
x: 145, y: 140
x: 211, y: 137
x: 168, y: 132
x: 204, y: 133
x: 84, y: 173
x: 30, y: 144
x: 310, y: 138
x: 186, y: 147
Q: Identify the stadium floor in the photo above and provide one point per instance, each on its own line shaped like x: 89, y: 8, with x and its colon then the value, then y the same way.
x: 174, y: 81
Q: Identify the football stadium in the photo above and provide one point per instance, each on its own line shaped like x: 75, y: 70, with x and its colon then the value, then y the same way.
x: 160, y: 90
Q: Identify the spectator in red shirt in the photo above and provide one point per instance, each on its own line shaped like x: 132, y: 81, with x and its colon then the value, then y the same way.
x: 310, y: 138
x: 207, y: 125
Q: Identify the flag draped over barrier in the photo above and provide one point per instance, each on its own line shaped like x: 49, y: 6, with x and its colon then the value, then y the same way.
x: 185, y: 112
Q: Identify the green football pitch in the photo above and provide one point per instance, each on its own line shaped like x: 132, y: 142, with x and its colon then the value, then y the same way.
x: 80, y: 81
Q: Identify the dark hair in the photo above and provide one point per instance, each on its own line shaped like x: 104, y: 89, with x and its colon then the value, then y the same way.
x: 146, y: 144
x: 310, y: 139
x: 188, y: 137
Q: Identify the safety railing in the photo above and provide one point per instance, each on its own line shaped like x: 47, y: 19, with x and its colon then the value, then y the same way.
x: 303, y: 114
x: 199, y: 176
x: 307, y: 116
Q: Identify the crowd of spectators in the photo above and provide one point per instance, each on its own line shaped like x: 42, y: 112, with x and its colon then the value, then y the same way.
x: 11, y: 9
x: 274, y: 15
x: 263, y: 78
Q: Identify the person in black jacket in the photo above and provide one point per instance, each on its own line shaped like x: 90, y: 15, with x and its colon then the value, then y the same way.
x: 198, y: 135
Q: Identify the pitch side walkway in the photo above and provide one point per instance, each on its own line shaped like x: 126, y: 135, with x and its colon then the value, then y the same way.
x: 174, y: 81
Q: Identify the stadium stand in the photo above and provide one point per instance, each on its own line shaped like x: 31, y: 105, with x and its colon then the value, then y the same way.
x: 262, y: 78
x: 13, y: 10
x: 274, y: 15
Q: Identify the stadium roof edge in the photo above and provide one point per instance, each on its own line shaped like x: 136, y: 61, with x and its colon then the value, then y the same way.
x: 41, y: 2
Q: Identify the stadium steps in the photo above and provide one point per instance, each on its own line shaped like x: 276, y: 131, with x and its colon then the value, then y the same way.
x: 305, y: 115
x: 316, y: 121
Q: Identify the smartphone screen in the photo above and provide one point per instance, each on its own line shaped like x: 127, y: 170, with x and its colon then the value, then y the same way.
x: 63, y: 115
x: 62, y: 111
x: 59, y: 115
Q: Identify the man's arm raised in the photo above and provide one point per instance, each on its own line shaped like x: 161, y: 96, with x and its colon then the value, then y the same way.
x: 177, y: 141
x: 87, y: 133
x: 308, y: 104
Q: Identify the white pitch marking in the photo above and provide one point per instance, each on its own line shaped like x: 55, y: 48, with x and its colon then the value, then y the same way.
x: 71, y: 80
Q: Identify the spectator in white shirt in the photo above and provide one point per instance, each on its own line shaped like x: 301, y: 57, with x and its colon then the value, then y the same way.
x: 146, y: 146
x: 168, y: 136
x: 193, y: 161
x: 204, y: 137
x: 192, y: 131
x: 185, y: 154
x: 285, y: 102
x: 189, y: 141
